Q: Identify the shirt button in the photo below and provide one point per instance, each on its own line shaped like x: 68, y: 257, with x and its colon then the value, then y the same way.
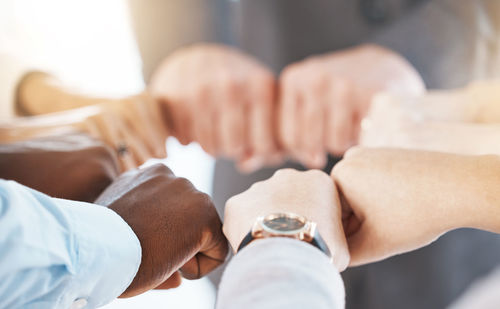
x: 80, y: 303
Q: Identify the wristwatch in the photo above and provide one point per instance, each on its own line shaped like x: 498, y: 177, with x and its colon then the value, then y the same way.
x: 286, y: 225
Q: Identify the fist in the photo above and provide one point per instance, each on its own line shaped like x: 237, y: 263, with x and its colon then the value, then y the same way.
x: 396, y: 201
x: 324, y: 98
x: 222, y: 99
x: 74, y: 167
x: 177, y: 226
x: 311, y: 194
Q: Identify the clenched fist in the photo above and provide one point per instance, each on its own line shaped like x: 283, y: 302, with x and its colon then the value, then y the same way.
x: 177, y: 226
x: 324, y: 98
x: 395, y: 201
x: 311, y: 194
x: 222, y: 99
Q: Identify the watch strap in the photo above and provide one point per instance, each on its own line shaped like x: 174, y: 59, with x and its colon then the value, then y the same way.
x: 320, y: 243
x: 246, y: 240
x: 317, y: 241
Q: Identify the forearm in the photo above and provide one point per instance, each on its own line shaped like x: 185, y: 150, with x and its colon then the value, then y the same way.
x: 40, y: 93
x: 55, y: 252
x: 280, y: 273
x: 484, y: 198
x: 453, y: 137
x: 20, y: 129
x: 454, y: 191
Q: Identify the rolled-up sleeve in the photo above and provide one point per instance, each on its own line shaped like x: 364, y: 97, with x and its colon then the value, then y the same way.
x: 55, y: 253
x: 281, y: 273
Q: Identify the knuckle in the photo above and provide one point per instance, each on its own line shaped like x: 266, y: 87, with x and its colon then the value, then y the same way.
x: 353, y: 151
x: 289, y: 73
x: 318, y: 82
x: 285, y: 172
x: 200, y: 91
x: 318, y: 175
x: 204, y: 200
x: 158, y: 169
x: 339, y: 169
x: 184, y: 184
x: 262, y: 78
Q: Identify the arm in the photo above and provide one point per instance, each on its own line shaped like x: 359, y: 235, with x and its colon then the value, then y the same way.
x: 400, y: 200
x: 463, y: 121
x: 324, y: 98
x: 41, y: 93
x: 135, y: 123
x: 55, y: 252
x: 261, y: 273
x: 285, y: 272
x: 74, y: 167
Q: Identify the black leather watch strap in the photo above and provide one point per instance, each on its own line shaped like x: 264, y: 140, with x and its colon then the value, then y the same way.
x: 320, y: 243
x: 248, y: 238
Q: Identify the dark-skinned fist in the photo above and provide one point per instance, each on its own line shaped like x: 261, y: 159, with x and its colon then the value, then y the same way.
x: 177, y: 226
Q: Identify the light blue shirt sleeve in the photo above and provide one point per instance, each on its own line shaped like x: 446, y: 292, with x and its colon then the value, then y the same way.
x: 58, y: 253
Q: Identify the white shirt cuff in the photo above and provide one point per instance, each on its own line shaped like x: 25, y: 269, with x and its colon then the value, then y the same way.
x: 281, y: 273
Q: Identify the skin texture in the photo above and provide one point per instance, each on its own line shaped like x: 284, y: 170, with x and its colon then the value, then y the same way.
x: 75, y: 167
x: 324, y: 98
x: 177, y: 226
x: 135, y: 122
x: 437, y: 120
x: 311, y: 194
x: 397, y: 200
x: 222, y: 99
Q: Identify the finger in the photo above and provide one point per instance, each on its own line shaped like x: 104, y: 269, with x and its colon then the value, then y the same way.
x: 204, y: 127
x: 147, y: 126
x: 211, y: 255
x: 110, y: 134
x: 312, y: 119
x: 181, y: 120
x: 288, y: 116
x: 128, y: 140
x: 135, y: 146
x: 231, y: 126
x: 261, y: 98
x: 340, y: 126
x: 172, y: 282
x: 159, y: 126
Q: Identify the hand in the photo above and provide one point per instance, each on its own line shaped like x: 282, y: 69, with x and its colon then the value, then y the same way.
x: 324, y: 98
x: 445, y: 121
x: 222, y: 99
x: 396, y: 201
x: 310, y: 194
x: 74, y: 167
x: 177, y: 226
x: 132, y: 126
x: 135, y: 127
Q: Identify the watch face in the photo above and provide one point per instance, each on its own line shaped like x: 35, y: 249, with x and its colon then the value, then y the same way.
x: 283, y: 223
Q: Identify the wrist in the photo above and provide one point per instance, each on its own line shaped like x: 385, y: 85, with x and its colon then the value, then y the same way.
x: 26, y: 90
x: 286, y: 225
x: 475, y: 202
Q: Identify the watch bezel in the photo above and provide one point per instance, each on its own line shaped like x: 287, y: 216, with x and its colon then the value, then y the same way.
x: 301, y: 219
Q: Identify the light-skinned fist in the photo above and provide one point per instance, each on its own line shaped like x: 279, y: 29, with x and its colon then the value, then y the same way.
x: 311, y: 194
x: 221, y: 98
x: 324, y: 98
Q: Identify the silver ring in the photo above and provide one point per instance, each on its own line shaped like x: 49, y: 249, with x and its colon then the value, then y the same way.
x: 122, y: 149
